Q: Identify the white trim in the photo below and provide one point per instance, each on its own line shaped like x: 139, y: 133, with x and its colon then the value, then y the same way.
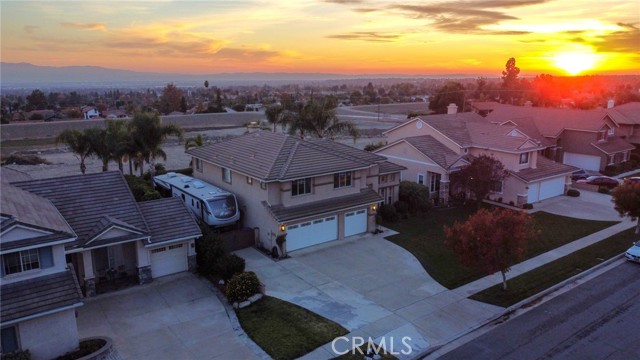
x: 169, y: 242
x: 48, y: 312
x: 37, y: 246
x: 82, y: 249
x: 109, y: 229
x: 22, y: 226
x: 324, y: 214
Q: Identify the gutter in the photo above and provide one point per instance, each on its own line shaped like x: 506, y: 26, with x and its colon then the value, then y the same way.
x: 48, y: 312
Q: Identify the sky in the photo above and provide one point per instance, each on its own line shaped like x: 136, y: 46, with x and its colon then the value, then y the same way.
x: 560, y: 37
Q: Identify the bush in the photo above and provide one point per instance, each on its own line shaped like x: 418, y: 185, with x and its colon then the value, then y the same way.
x: 243, y: 286
x: 604, y: 190
x: 86, y: 347
x: 573, y: 193
x: 527, y: 206
x: 416, y: 195
x: 229, y: 265
x: 141, y: 189
x: 401, y: 207
x: 24, y: 159
x: 388, y: 213
x: 374, y: 146
x: 17, y: 355
x: 209, y: 249
x: 151, y: 195
x: 36, y: 116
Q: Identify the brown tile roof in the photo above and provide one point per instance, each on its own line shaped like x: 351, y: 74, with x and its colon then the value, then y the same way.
x: 545, y: 169
x: 277, y: 157
x: 84, y: 200
x: 434, y: 149
x: 283, y: 214
x: 387, y: 167
x: 627, y: 114
x: 612, y: 146
x: 169, y: 219
x: 38, y: 295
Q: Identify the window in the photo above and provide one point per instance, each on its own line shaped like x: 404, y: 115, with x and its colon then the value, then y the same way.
x: 199, y: 165
x: 421, y: 179
x: 610, y: 159
x: 263, y: 185
x: 611, y: 132
x: 342, y: 179
x: 249, y: 180
x: 392, y: 177
x: 626, y: 156
x: 9, y: 340
x: 301, y: 187
x: 602, y: 135
x: 177, y: 246
x: 434, y: 182
x: 226, y: 175
x: 383, y: 179
x: 21, y: 261
x: 496, y: 187
x: 524, y: 158
x: 158, y: 250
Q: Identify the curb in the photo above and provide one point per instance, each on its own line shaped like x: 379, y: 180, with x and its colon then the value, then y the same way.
x: 511, y: 309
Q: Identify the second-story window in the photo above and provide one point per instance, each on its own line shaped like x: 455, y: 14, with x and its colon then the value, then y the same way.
x: 226, y: 175
x: 301, y: 187
x: 21, y: 261
x: 524, y: 158
x: 199, y: 165
x: 342, y: 179
x: 602, y: 135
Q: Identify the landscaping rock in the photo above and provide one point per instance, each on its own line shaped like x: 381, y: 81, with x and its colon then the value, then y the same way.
x: 221, y: 282
x: 235, y: 305
x: 244, y: 304
x: 255, y: 298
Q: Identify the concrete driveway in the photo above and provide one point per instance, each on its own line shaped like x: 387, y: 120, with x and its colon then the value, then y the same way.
x: 589, y: 205
x: 373, y: 288
x: 175, y: 317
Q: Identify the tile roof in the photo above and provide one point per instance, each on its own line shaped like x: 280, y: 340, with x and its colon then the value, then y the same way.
x: 545, y: 169
x: 434, y: 149
x: 613, y: 145
x: 282, y: 214
x: 41, y: 294
x: 627, y: 114
x: 84, y: 200
x: 387, y: 167
x: 55, y: 236
x: 8, y: 175
x: 277, y: 157
x: 169, y: 219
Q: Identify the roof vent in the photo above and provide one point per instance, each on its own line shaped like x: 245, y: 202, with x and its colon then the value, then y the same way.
x: 186, y: 179
x: 171, y: 174
x: 198, y: 185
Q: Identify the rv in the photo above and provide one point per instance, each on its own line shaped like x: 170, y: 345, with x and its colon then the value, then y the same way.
x: 211, y: 205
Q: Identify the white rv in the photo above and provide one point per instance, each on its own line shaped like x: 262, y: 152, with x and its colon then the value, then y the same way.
x: 211, y: 205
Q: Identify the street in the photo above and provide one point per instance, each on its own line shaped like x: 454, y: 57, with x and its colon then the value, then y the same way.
x: 599, y: 319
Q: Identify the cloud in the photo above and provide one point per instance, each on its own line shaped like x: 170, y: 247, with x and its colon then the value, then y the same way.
x: 626, y: 41
x: 365, y: 10
x: 85, y: 26
x: 371, y: 36
x: 344, y: 2
x: 246, y: 53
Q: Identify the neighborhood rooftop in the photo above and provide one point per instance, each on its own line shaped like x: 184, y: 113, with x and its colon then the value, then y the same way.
x: 434, y: 149
x: 156, y: 213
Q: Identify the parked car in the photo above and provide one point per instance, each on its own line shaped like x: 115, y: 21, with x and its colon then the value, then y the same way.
x: 633, y: 254
x: 583, y: 174
x: 632, y: 180
x: 600, y: 181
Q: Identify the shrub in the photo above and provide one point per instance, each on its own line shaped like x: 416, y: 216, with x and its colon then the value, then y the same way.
x: 388, y: 213
x: 243, y: 286
x: 374, y: 146
x: 416, y: 195
x: 151, y: 195
x: 141, y: 189
x: 17, y: 355
x: 604, y: 190
x: 229, y: 265
x: 401, y: 207
x: 573, y: 193
x: 36, y: 116
x: 86, y: 347
x: 527, y: 206
x: 209, y: 248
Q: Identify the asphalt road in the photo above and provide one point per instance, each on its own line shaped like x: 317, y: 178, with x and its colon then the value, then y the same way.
x: 599, y: 319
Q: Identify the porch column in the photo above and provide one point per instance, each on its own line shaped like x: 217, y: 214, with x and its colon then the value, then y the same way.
x: 444, y: 188
x: 89, y: 275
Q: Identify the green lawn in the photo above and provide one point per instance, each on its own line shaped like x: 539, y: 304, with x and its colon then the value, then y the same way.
x: 423, y: 236
x: 532, y: 282
x: 285, y: 330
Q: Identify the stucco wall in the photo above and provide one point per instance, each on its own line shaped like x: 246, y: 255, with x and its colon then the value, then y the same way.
x: 509, y: 160
x: 49, y: 336
x: 322, y: 189
x: 415, y: 161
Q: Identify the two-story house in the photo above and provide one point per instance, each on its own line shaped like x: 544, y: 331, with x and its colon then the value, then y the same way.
x: 307, y: 191
x: 38, y: 291
x: 627, y: 116
x: 586, y: 139
x: 432, y: 147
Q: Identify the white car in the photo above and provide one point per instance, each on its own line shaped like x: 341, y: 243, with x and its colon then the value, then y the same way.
x: 633, y: 254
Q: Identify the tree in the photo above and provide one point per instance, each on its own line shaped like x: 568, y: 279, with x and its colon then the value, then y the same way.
x: 276, y: 114
x: 148, y: 135
x: 196, y: 141
x: 318, y: 118
x: 451, y: 93
x: 510, y: 74
x: 171, y: 99
x: 36, y: 101
x: 79, y: 143
x: 206, y: 84
x: 491, y: 240
x: 479, y: 177
x: 416, y: 196
x: 626, y: 199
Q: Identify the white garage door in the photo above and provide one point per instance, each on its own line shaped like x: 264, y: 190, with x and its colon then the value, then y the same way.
x: 312, y: 232
x: 588, y: 162
x: 550, y: 188
x: 169, y: 259
x: 534, y: 192
x: 355, y: 222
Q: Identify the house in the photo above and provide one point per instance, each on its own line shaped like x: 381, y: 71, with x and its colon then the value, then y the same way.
x: 116, y: 114
x: 586, y: 139
x: 90, y: 112
x: 116, y: 238
x: 307, y: 191
x: 38, y: 291
x: 435, y: 146
x: 627, y: 116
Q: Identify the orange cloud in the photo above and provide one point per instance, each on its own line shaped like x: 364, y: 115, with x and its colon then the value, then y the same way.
x: 85, y: 26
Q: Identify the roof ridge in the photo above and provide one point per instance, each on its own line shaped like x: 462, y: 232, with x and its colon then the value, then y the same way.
x: 285, y: 166
x: 318, y: 145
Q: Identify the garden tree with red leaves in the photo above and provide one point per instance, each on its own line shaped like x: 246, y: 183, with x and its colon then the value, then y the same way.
x: 492, y: 240
x: 479, y: 176
x: 626, y: 199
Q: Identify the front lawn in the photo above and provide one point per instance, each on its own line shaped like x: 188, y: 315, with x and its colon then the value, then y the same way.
x: 285, y: 330
x: 532, y: 282
x: 423, y: 236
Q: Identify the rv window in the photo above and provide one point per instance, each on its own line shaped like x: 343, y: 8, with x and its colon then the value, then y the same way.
x: 223, y: 207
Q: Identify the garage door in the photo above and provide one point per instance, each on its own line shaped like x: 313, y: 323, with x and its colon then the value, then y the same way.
x: 355, y: 222
x: 587, y: 162
x: 312, y: 232
x: 534, y: 192
x: 550, y: 188
x: 168, y: 260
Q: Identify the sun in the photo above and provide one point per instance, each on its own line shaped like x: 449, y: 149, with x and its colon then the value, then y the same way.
x: 575, y: 62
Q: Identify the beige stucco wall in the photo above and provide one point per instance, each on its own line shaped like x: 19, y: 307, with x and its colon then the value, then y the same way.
x: 49, y: 336
x: 511, y: 188
x: 415, y: 161
x: 322, y: 189
x: 510, y: 161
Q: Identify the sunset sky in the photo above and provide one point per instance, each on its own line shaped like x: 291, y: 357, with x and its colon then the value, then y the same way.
x: 332, y: 36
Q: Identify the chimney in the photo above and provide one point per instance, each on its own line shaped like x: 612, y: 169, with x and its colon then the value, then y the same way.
x: 611, y: 103
x: 452, y: 109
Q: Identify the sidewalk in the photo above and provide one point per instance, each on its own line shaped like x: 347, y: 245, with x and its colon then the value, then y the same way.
x: 623, y: 175
x: 542, y: 259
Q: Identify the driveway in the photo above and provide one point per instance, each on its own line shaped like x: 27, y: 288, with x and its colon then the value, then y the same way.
x: 175, y: 317
x: 589, y: 205
x: 373, y: 288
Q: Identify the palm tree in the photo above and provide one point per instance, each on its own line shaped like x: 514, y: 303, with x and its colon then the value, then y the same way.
x: 148, y: 135
x: 79, y: 143
x: 196, y: 141
x: 275, y: 115
x: 100, y: 145
x: 119, y: 139
x: 318, y: 118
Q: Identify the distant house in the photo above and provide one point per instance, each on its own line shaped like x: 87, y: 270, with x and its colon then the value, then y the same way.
x: 627, y: 117
x: 433, y: 147
x: 90, y: 112
x: 307, y: 191
x: 115, y: 114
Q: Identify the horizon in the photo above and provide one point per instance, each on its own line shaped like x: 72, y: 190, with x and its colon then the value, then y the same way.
x: 434, y: 38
